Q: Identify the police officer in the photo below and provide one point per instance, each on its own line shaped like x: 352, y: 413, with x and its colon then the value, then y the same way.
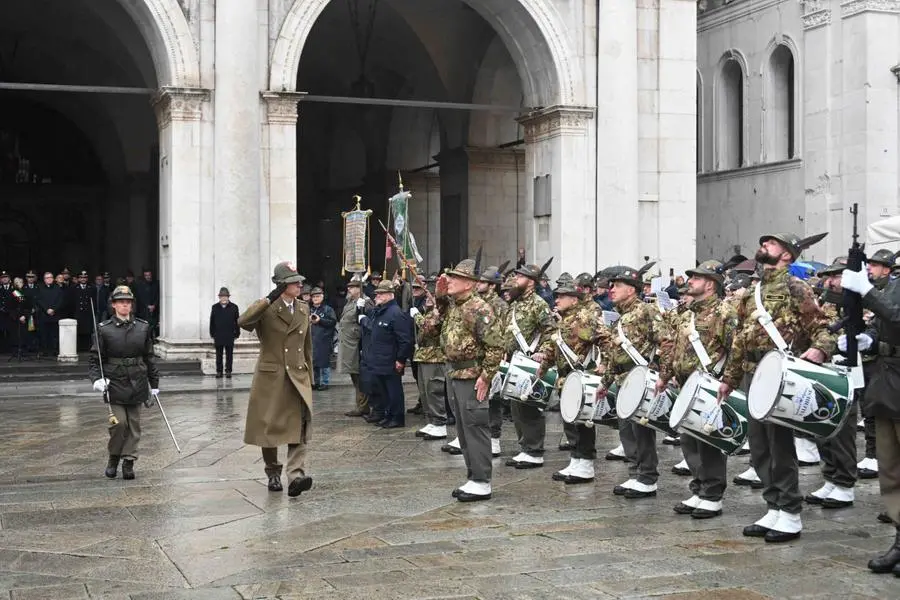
x: 714, y: 322
x: 791, y: 303
x: 124, y: 346
x: 883, y: 337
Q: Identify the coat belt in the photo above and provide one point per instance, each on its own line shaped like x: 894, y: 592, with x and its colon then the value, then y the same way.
x: 126, y: 362
x: 459, y: 366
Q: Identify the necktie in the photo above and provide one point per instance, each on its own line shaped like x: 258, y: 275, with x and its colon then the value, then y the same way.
x: 291, y: 307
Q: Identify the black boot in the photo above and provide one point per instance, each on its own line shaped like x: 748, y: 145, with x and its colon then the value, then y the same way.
x: 890, y: 559
x: 112, y: 466
x: 127, y: 469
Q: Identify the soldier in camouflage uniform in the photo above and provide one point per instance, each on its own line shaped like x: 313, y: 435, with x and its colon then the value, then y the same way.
x: 487, y: 290
x: 473, y: 353
x: 431, y: 382
x: 581, y: 329
x: 839, y: 451
x: 715, y: 322
x: 643, y: 325
x: 532, y: 315
x: 791, y: 303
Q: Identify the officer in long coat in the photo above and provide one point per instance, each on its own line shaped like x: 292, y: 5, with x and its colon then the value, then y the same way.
x: 81, y: 296
x: 349, y: 337
x: 124, y: 346
x: 280, y: 408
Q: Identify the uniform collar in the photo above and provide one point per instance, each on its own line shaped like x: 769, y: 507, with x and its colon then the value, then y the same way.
x: 772, y: 275
x: 628, y: 306
x: 699, y: 306
x: 119, y: 322
x: 462, y: 298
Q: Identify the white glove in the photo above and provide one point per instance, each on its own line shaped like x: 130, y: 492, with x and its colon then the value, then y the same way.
x: 151, y: 399
x: 154, y: 392
x: 856, y: 281
x: 360, y: 303
x: 863, y: 342
x: 413, y: 312
x: 100, y: 385
x: 360, y: 318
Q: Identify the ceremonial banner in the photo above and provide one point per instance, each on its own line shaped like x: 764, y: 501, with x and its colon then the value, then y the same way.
x: 404, y: 237
x: 356, y: 239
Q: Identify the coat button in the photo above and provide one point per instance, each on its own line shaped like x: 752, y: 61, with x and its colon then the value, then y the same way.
x: 285, y: 349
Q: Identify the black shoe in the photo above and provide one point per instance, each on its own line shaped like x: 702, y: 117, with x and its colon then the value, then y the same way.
x: 527, y: 465
x: 611, y: 456
x: 888, y: 561
x: 804, y: 463
x: 682, y: 509
x: 672, y: 441
x: 742, y: 452
x: 373, y: 417
x: 780, y: 537
x: 756, y: 485
x: 702, y: 513
x: 567, y: 446
x: 316, y: 387
x: 355, y: 413
x: 810, y: 499
x: 620, y: 490
x: 112, y: 467
x: 884, y: 518
x: 299, y: 485
x: 127, y: 469
x: 832, y: 503
x: 228, y: 375
x: 557, y: 476
x: 573, y: 480
x: 415, y: 410
x: 756, y: 530
x: 467, y: 497
x: 219, y: 376
x: 636, y: 494
x: 455, y: 493
x: 682, y: 472
x: 454, y: 451
x: 275, y: 483
x: 392, y: 424
x: 323, y: 388
x: 866, y: 474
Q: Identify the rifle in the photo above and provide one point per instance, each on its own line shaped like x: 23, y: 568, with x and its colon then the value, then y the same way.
x: 852, y: 322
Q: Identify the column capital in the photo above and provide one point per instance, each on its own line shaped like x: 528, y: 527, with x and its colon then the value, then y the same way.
x: 506, y: 159
x: 179, y: 104
x: 816, y: 13
x: 556, y: 121
x: 281, y: 107
x: 850, y: 8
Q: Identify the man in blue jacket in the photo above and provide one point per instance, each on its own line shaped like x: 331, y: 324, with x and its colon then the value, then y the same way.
x: 390, y: 346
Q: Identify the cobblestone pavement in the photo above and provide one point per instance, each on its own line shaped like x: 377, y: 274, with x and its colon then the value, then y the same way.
x: 379, y: 521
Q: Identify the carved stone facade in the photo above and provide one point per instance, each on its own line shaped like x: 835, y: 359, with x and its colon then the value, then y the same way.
x: 556, y: 120
x: 179, y: 104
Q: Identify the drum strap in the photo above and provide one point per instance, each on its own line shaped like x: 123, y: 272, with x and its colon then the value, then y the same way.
x: 590, y: 356
x: 629, y: 348
x: 517, y: 334
x: 765, y: 319
x: 565, y: 349
x: 699, y: 349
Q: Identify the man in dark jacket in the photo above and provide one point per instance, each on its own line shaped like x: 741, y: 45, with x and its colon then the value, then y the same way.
x: 388, y: 349
x: 322, y: 320
x: 100, y: 295
x: 48, y: 304
x: 147, y: 293
x: 223, y: 329
x: 80, y: 302
x: 124, y: 348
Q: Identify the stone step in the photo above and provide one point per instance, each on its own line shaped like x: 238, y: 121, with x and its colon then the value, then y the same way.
x: 31, y: 369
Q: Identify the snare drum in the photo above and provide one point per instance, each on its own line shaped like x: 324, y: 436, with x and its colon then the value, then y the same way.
x: 697, y: 413
x: 804, y: 396
x: 578, y: 398
x: 637, y: 400
x: 520, y: 383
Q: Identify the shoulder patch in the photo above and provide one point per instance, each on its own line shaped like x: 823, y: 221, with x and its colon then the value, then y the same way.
x: 105, y: 323
x: 139, y: 320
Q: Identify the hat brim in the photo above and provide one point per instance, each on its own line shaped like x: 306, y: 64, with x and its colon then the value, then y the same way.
x: 572, y: 293
x: 528, y: 274
x: 462, y: 275
x: 293, y: 279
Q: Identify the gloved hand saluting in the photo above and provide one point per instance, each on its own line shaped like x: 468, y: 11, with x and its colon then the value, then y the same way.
x: 863, y: 342
x: 150, y: 402
x: 277, y: 292
x: 413, y: 311
x: 856, y: 281
x: 101, y: 385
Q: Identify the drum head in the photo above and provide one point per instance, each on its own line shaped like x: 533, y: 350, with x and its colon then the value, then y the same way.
x: 571, y: 398
x: 765, y: 387
x: 685, y: 399
x: 631, y: 394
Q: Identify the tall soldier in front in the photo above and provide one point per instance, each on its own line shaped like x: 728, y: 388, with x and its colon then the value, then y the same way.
x: 641, y: 329
x: 795, y: 317
x: 580, y: 329
x: 473, y: 353
x: 882, y: 337
x: 280, y: 409
x: 527, y: 323
x: 122, y: 351
x: 700, y: 334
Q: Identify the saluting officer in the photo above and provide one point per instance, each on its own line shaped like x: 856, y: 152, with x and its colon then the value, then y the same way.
x: 124, y: 345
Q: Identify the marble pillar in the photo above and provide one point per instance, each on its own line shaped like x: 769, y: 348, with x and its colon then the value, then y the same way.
x: 68, y: 338
x: 498, y: 220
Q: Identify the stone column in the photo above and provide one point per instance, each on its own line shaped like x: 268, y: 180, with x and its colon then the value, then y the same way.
x: 497, y: 215
x: 557, y: 143
x: 179, y: 113
x: 278, y: 226
x: 137, y: 189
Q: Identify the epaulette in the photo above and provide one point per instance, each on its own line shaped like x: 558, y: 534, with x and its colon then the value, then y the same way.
x: 104, y: 323
x: 138, y: 320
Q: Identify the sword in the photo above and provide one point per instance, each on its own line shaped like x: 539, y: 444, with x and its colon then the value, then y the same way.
x: 163, y: 413
x: 111, y: 418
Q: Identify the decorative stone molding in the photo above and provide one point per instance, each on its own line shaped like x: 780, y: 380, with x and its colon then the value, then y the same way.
x: 761, y: 169
x: 555, y: 121
x: 179, y: 104
x: 503, y: 159
x: 815, y: 13
x: 168, y: 36
x: 855, y: 7
x: 281, y: 107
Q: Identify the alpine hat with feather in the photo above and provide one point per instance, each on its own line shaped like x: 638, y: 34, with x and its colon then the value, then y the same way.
x: 494, y: 274
x: 629, y: 275
x: 468, y: 268
x: 792, y: 242
x: 533, y: 272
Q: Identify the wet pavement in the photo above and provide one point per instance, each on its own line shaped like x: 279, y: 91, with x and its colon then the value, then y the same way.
x: 379, y: 521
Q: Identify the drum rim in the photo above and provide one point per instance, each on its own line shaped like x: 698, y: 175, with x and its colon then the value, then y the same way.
x: 645, y: 369
x: 690, y: 402
x: 771, y: 410
x: 580, y: 397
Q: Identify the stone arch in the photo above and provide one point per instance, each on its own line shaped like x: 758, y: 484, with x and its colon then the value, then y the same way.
x: 780, y: 74
x: 730, y: 125
x: 168, y: 37
x: 532, y: 30
x: 700, y: 124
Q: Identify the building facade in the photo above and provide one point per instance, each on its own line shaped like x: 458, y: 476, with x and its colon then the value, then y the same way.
x: 212, y: 139
x: 798, y: 105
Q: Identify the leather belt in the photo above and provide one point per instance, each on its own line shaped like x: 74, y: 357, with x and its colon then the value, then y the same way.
x: 888, y: 350
x: 126, y: 362
x: 459, y: 366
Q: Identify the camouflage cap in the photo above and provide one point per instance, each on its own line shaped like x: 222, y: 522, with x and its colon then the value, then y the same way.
x: 838, y: 265
x: 122, y: 292
x: 385, y: 287
x: 628, y: 275
x: 285, y: 272
x: 465, y: 269
x: 882, y: 257
x: 563, y: 278
x: 584, y: 280
x: 492, y: 275
x: 710, y: 269
x: 567, y: 289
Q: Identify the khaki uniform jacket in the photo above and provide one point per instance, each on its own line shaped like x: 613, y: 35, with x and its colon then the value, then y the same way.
x: 281, y: 382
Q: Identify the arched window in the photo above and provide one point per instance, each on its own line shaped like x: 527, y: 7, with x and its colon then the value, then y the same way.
x: 730, y: 116
x: 699, y: 124
x: 780, y: 133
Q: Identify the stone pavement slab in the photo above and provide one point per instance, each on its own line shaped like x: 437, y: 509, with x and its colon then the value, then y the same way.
x: 379, y: 522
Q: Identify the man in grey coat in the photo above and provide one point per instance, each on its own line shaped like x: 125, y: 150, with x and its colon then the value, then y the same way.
x: 348, y: 343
